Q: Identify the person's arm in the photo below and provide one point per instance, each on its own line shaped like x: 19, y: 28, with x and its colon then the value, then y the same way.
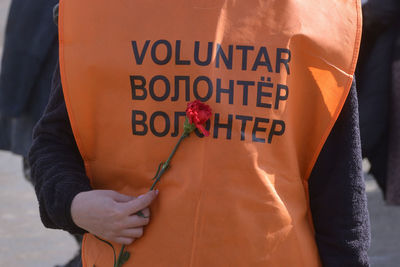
x: 66, y: 199
x: 57, y: 168
x: 337, y: 194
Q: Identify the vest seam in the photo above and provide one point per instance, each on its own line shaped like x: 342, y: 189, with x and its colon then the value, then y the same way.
x: 337, y: 112
x: 65, y: 86
x: 344, y: 96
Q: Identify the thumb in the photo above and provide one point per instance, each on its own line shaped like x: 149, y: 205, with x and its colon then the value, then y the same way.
x: 118, y: 197
x: 142, y: 202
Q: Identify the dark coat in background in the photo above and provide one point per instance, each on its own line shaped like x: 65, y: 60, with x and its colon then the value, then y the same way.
x: 29, y: 57
x: 379, y: 105
x: 393, y: 175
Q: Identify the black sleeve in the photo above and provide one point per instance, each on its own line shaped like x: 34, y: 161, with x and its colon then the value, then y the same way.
x: 337, y: 194
x: 57, y: 168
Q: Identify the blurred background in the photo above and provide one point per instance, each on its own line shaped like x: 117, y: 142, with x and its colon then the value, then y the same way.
x: 25, y: 242
x: 31, y: 53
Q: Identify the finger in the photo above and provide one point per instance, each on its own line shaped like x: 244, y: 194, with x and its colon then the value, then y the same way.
x: 124, y: 240
x: 143, y: 201
x: 135, y: 221
x: 117, y: 197
x: 146, y: 212
x: 132, y: 232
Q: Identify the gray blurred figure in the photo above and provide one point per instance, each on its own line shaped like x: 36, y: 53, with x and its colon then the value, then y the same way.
x: 378, y: 83
x: 29, y: 58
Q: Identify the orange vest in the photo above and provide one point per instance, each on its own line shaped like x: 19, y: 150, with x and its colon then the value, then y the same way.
x: 276, y: 74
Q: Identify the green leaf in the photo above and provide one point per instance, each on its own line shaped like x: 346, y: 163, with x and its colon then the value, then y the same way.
x: 158, y: 171
x: 188, y: 127
x: 125, y: 257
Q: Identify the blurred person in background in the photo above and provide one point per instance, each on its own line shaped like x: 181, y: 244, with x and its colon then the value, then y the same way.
x: 378, y: 86
x: 29, y: 58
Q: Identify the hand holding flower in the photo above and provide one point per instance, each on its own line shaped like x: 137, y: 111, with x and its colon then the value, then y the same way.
x: 111, y: 215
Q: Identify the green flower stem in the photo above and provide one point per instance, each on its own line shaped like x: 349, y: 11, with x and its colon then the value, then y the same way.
x: 166, y: 164
x: 118, y: 263
x: 156, y: 180
x: 119, y: 256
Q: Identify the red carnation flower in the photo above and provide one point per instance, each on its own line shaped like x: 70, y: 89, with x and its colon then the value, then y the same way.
x: 198, y: 113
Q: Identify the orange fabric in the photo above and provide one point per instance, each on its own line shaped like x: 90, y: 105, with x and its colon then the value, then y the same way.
x: 277, y: 76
